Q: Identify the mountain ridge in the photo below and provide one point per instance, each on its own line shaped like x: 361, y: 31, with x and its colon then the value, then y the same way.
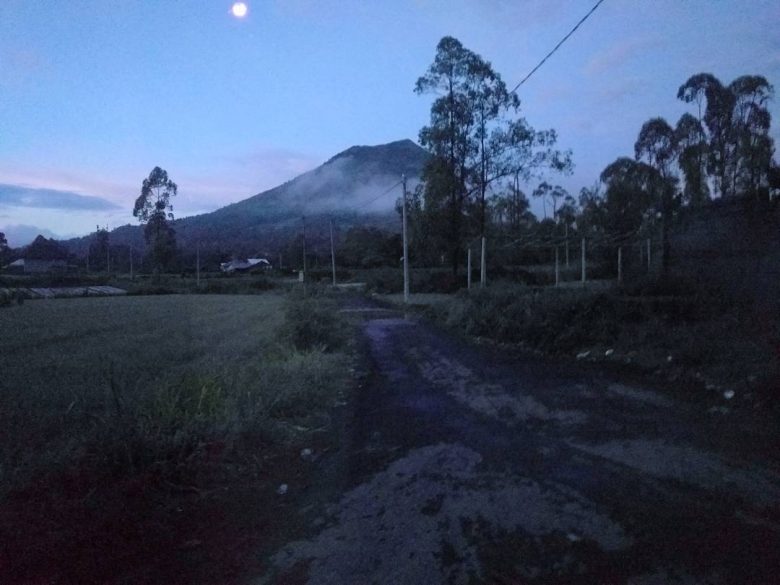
x: 344, y: 188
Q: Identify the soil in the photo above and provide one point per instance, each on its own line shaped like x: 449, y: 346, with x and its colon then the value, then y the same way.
x: 452, y: 463
x: 471, y: 464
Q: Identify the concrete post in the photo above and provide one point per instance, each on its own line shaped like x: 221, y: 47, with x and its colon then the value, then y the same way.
x: 468, y: 268
x: 483, y: 267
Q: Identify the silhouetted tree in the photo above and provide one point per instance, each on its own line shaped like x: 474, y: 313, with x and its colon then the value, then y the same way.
x: 153, y: 208
x: 99, y: 250
x: 45, y: 249
x: 657, y: 146
x: 738, y: 145
x: 475, y: 143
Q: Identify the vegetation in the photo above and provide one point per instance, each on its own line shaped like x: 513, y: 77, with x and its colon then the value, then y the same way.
x: 46, y: 249
x: 154, y: 210
x: 664, y: 325
x: 202, y: 369
x: 475, y: 141
x: 99, y: 253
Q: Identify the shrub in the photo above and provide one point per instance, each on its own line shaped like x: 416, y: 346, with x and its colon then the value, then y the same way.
x: 312, y: 323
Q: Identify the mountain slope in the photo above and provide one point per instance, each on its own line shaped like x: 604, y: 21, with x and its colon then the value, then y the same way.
x: 355, y: 187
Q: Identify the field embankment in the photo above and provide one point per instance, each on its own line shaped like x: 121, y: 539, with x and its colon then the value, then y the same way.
x: 699, y: 339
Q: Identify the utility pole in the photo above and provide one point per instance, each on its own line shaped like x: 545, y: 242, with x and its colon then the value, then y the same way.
x: 557, y: 268
x: 197, y: 265
x: 406, y: 244
x: 620, y: 264
x: 468, y: 268
x: 583, y: 260
x: 131, y: 263
x: 303, y: 219
x: 332, y: 253
x: 567, y: 245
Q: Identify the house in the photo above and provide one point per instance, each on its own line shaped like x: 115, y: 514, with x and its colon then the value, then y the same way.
x: 28, y: 266
x: 245, y: 265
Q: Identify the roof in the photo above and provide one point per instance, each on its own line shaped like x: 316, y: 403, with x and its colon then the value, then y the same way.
x: 247, y: 264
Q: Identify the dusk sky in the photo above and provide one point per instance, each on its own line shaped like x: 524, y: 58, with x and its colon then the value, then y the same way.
x: 94, y: 94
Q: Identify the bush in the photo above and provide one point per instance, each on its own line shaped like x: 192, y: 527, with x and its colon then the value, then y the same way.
x: 312, y: 324
x: 553, y: 319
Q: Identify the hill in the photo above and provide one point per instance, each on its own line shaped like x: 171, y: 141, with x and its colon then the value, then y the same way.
x: 351, y: 187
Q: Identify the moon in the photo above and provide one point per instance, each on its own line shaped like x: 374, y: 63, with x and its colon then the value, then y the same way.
x: 239, y: 9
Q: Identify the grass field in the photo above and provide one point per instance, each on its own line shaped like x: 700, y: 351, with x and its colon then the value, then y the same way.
x: 142, y: 439
x: 123, y: 382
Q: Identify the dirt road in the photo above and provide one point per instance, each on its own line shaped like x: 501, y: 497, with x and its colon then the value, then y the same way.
x: 468, y: 464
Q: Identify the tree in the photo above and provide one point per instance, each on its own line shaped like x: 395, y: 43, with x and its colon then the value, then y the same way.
x: 489, y: 98
x: 567, y: 212
x: 631, y: 190
x: 657, y: 146
x: 475, y: 142
x: 45, y: 249
x: 552, y: 194
x: 691, y: 156
x: 3, y: 248
x: 592, y: 219
x: 154, y: 210
x: 738, y: 145
x: 448, y: 137
x: 99, y: 250
x: 753, y: 147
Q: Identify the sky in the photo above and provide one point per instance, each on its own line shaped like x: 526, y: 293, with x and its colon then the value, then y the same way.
x: 96, y: 93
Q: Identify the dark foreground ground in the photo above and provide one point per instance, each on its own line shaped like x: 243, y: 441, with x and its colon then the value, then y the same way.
x: 452, y: 463
x: 466, y: 464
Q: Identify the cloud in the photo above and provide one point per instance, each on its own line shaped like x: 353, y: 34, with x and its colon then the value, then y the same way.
x: 274, y: 165
x: 622, y: 89
x: 57, y: 179
x: 236, y: 177
x: 18, y: 66
x: 21, y: 234
x: 617, y: 55
x: 20, y: 196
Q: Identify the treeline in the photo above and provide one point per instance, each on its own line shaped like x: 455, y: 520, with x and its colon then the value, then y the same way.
x: 483, y: 153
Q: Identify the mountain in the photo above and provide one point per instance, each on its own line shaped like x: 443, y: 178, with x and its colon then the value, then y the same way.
x: 356, y: 187
x: 22, y: 235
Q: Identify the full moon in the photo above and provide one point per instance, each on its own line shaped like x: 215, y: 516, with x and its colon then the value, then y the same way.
x: 239, y: 9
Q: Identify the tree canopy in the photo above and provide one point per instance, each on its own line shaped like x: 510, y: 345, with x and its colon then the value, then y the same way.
x: 477, y: 140
x: 154, y: 210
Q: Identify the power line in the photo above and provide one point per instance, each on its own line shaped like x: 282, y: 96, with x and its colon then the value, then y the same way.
x: 370, y: 201
x: 563, y: 40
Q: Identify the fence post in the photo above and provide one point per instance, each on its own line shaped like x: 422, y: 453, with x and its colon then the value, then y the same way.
x: 468, y: 268
x: 620, y: 264
x: 583, y: 260
x: 483, y: 267
x: 332, y: 254
x: 406, y: 244
x: 557, y: 268
x: 648, y: 254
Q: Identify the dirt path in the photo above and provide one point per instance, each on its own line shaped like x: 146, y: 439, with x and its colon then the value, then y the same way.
x: 468, y: 465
